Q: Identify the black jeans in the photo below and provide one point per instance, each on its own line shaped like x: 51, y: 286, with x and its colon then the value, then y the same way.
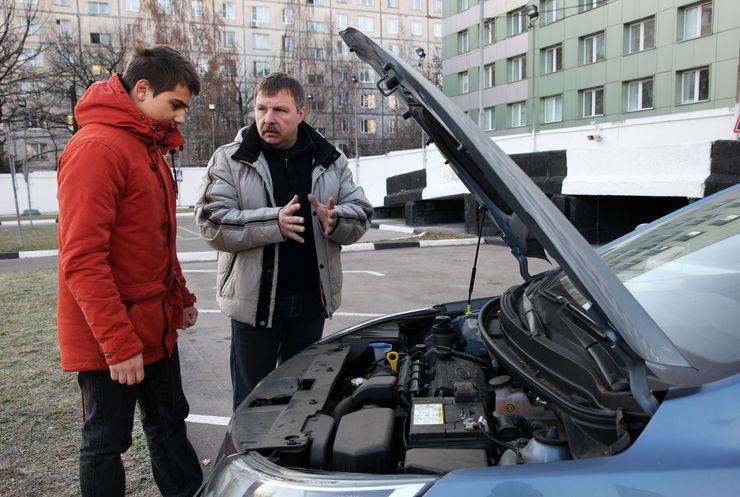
x: 298, y: 322
x: 109, y: 418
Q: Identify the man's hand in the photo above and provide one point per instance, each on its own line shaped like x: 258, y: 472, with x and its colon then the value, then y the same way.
x: 327, y: 213
x: 128, y: 372
x: 291, y: 225
x: 189, y: 317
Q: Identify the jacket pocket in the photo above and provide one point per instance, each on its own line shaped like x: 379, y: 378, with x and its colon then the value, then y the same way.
x: 224, y: 277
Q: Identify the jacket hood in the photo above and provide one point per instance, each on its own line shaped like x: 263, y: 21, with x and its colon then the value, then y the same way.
x: 108, y: 103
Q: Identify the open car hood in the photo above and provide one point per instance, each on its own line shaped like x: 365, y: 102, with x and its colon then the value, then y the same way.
x: 527, y: 219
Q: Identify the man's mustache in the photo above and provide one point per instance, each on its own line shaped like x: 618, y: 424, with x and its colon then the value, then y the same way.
x: 269, y: 129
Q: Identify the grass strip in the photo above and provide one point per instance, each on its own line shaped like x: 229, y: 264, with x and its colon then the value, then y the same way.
x: 43, y: 237
x: 40, y: 408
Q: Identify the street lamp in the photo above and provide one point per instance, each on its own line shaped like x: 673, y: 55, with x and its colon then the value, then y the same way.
x: 421, y: 54
x: 356, y: 119
x: 533, y: 13
x: 212, y: 110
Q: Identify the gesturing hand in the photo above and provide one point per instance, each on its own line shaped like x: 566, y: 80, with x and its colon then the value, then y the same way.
x: 327, y: 213
x: 189, y: 317
x: 291, y: 225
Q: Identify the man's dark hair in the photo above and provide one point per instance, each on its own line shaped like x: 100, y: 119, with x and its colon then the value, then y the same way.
x: 276, y: 82
x: 164, y: 68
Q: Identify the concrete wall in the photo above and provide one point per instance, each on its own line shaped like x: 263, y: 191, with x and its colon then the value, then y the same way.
x: 667, y: 156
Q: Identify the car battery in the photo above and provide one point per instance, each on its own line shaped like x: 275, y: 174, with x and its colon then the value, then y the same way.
x: 442, y: 421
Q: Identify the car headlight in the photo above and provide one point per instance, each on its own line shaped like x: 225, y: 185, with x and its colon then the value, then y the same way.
x: 251, y: 475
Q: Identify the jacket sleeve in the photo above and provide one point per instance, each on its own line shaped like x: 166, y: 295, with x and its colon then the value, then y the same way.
x: 354, y: 212
x: 91, y: 185
x: 222, y: 222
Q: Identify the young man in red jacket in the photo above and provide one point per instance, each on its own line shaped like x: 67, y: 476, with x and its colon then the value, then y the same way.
x: 122, y: 295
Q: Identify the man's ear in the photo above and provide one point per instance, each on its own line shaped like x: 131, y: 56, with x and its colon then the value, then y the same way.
x: 141, y: 88
x: 302, y: 113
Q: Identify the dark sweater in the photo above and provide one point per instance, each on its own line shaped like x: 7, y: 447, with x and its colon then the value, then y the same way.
x: 290, y: 169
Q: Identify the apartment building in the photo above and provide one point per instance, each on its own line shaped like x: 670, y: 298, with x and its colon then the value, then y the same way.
x: 562, y: 63
x: 297, y: 36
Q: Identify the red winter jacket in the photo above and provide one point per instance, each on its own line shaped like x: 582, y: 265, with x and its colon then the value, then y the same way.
x: 121, y: 289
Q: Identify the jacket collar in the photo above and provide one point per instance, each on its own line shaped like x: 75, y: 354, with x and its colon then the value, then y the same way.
x: 323, y: 152
x: 108, y: 102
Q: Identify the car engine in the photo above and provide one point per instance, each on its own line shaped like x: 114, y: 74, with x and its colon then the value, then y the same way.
x: 419, y: 395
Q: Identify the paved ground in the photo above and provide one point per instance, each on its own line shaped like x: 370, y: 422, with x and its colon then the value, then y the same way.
x: 375, y: 283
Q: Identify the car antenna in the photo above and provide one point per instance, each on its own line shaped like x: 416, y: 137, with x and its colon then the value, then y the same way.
x: 482, y: 211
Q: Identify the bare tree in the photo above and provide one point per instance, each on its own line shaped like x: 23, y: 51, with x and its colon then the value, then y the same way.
x: 20, y: 61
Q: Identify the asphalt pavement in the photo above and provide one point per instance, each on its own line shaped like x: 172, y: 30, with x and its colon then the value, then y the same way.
x: 376, y: 282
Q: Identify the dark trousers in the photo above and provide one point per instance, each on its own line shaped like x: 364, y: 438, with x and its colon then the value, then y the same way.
x: 106, y: 431
x: 298, y: 322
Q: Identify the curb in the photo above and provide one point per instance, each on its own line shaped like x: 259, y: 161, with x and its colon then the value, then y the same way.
x: 211, y: 255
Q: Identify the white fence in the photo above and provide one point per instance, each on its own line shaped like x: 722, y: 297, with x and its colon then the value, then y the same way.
x: 654, y: 156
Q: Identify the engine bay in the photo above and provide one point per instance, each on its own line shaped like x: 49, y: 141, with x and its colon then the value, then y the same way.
x: 417, y: 394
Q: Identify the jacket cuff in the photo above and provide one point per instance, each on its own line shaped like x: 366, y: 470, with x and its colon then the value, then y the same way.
x: 116, y: 352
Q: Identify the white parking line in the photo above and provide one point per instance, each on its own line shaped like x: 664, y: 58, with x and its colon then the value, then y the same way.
x: 207, y: 420
x: 372, y: 273
x: 357, y: 315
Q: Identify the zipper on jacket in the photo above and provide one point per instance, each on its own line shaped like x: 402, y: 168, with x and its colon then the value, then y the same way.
x: 228, y: 274
x: 170, y: 276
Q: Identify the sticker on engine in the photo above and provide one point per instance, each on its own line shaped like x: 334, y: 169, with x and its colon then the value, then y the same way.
x: 429, y: 414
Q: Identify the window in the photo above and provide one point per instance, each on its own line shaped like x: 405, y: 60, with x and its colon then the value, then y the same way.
x: 229, y: 11
x: 342, y: 125
x: 591, y: 4
x: 288, y: 16
x: 415, y: 4
x: 393, y: 126
x: 517, y: 68
x: 463, y: 42
x: 260, y: 41
x: 367, y: 126
x: 62, y: 3
x: 366, y: 24
x: 97, y: 8
x: 553, y: 108
x: 415, y: 28
x: 550, y: 10
x: 395, y: 48
x: 133, y: 5
x: 164, y: 6
x: 518, y: 115
x: 489, y: 119
x: 315, y: 79
x: 489, y: 32
x: 489, y: 75
x: 694, y: 85
x: 393, y: 102
x: 261, y: 69
x: 517, y: 22
x: 259, y: 14
x: 438, y: 6
x: 392, y: 25
x: 315, y: 53
x: 553, y: 59
x: 343, y: 99
x: 367, y: 101
x: 65, y: 26
x: 592, y: 48
x: 34, y: 26
x: 288, y: 44
x: 37, y: 151
x: 229, y: 39
x: 367, y: 75
x: 342, y: 48
x: 197, y: 7
x: 695, y: 21
x: 640, y: 95
x: 342, y: 21
x: 593, y: 102
x: 366, y: 2
x: 464, y: 82
x: 462, y: 5
x: 317, y: 26
x: 640, y: 35
x: 438, y: 30
x: 392, y: 4
x: 100, y: 38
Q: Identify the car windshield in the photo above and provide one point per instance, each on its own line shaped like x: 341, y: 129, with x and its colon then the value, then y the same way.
x: 685, y: 272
